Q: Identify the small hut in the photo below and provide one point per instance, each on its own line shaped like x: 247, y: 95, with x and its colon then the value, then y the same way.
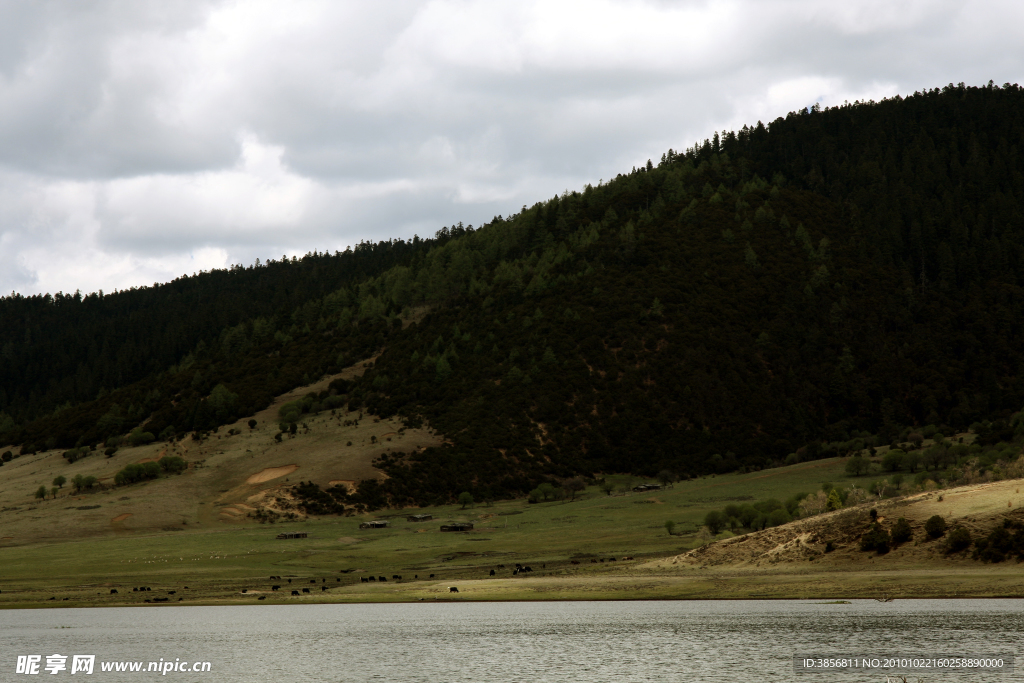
x: 419, y: 518
x: 457, y: 526
x: 294, y: 534
x: 647, y: 487
x: 375, y: 524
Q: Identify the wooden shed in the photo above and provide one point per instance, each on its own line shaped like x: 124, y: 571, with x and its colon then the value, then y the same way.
x: 419, y: 518
x: 647, y: 487
x: 294, y: 534
x: 375, y: 524
x: 457, y: 526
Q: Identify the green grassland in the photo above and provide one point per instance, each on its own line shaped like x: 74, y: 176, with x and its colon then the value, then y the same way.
x: 219, y: 560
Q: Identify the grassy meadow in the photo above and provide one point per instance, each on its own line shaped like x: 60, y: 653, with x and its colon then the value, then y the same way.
x: 222, y: 558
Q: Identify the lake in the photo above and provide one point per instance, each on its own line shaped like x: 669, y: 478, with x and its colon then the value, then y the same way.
x: 744, y: 640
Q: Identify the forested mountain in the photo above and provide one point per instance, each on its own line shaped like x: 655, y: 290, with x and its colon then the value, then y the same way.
x: 838, y: 272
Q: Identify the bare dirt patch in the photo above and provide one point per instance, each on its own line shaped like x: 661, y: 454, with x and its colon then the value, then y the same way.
x: 121, y: 518
x: 271, y: 473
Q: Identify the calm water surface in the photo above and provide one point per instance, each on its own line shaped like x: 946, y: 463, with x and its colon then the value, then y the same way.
x: 515, y: 642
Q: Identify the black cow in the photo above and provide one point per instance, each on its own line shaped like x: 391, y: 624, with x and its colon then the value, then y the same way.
x: 274, y: 588
x: 305, y: 590
x: 262, y: 597
x: 372, y: 578
x: 295, y: 592
x: 453, y: 589
x: 113, y: 591
x: 289, y: 580
x: 431, y: 576
x: 492, y: 572
x: 312, y: 580
x: 382, y: 578
x: 323, y: 588
x: 363, y: 579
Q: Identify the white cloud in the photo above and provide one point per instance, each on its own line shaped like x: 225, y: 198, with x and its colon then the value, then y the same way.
x: 139, y: 141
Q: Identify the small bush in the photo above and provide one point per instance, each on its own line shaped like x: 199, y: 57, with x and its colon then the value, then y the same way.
x: 876, y: 539
x: 137, y: 472
x: 935, y: 526
x: 779, y: 517
x: 7, y: 456
x: 110, y: 452
x: 172, y: 464
x: 901, y: 531
x: 139, y: 437
x: 957, y: 540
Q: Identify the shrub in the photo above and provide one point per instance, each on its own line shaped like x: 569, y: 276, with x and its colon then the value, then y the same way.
x: 857, y: 465
x: 252, y: 424
x: 892, y: 460
x: 167, y: 433
x: 59, y: 481
x: 7, y: 456
x: 935, y: 526
x: 110, y: 452
x: 41, y: 492
x: 137, y: 472
x: 996, y: 547
x: 876, y: 539
x: 172, y: 464
x: 715, y: 521
x: 81, y: 483
x: 75, y: 454
x: 779, y: 517
x: 957, y: 540
x: 139, y: 437
x: 670, y: 527
x: 901, y: 531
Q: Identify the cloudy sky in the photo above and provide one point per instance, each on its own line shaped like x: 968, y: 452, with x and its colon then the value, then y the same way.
x: 143, y: 140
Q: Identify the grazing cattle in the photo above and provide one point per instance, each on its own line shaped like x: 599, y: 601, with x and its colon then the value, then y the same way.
x: 372, y: 578
x: 289, y: 580
x: 593, y: 561
x: 295, y: 592
x: 431, y: 576
x: 628, y: 557
x: 453, y: 589
x: 501, y: 566
x: 171, y: 592
x: 395, y: 576
x: 338, y: 580
x: 262, y: 597
x: 363, y: 579
x: 312, y: 580
x: 515, y: 572
x: 323, y: 580
x: 113, y: 591
x: 492, y: 572
x: 527, y: 569
x: 518, y: 566
x: 382, y: 578
x: 135, y: 590
x: 305, y: 590
x: 325, y: 588
x: 245, y: 590
x: 274, y: 588
x: 575, y: 562
x: 611, y: 559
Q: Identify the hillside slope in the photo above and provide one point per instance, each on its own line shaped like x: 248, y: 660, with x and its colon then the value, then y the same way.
x: 834, y: 275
